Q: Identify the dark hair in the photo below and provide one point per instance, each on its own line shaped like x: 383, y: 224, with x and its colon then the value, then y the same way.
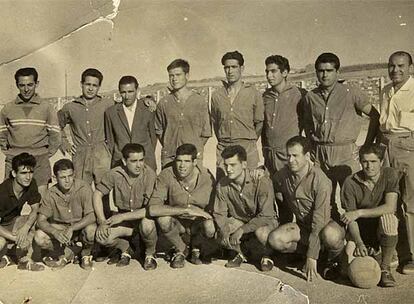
x: 26, y: 72
x: 402, y: 53
x: 23, y: 160
x: 187, y: 149
x: 62, y: 164
x: 127, y: 80
x: 282, y: 62
x: 299, y: 140
x: 179, y: 63
x: 328, y: 58
x: 233, y: 55
x: 376, y: 149
x: 132, y: 148
x: 231, y: 151
x: 92, y: 73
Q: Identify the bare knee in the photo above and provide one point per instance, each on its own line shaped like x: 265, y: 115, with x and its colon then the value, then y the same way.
x: 42, y: 239
x: 209, y: 229
x: 88, y: 233
x: 3, y: 242
x: 333, y: 235
x: 282, y: 237
x: 147, y: 226
x: 262, y: 234
x: 165, y: 223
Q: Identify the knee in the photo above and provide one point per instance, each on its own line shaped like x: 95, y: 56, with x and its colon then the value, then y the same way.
x: 277, y: 241
x: 88, y: 233
x: 147, y: 226
x: 388, y: 224
x: 165, y: 223
x: 3, y: 242
x: 42, y: 239
x: 333, y: 235
x: 209, y: 229
x: 262, y: 234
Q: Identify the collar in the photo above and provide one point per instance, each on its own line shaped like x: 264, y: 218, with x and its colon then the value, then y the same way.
x: 122, y: 171
x: 247, y: 179
x: 360, y: 177
x: 226, y: 85
x: 35, y: 99
x: 132, y: 108
x: 408, y: 85
x: 77, y: 185
x: 82, y: 101
x: 270, y: 91
x: 9, y: 187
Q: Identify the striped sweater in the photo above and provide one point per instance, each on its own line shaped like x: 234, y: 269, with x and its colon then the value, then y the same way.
x: 29, y: 127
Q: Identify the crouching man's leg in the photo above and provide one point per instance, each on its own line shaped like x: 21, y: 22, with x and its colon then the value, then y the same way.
x: 388, y: 239
x: 200, y: 230
x: 333, y: 239
x: 231, y: 240
x: 262, y: 235
x: 148, y: 232
x: 4, y: 259
x: 9, y: 233
x: 51, y: 244
x: 113, y: 237
x: 285, y: 238
x: 171, y: 228
x: 88, y: 241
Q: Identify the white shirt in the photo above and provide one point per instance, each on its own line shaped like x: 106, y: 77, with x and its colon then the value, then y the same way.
x: 397, y: 108
x: 130, y: 113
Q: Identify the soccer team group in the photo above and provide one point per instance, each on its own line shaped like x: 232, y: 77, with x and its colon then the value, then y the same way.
x: 286, y: 205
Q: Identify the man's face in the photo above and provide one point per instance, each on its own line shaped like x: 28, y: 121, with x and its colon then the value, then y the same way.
x: 90, y: 87
x: 23, y: 176
x: 178, y: 78
x: 134, y: 163
x: 184, y: 165
x: 27, y: 87
x: 297, y: 160
x: 234, y: 167
x: 399, y: 69
x: 371, y: 165
x: 273, y: 74
x: 65, y: 179
x: 128, y: 93
x: 233, y: 70
x: 327, y: 74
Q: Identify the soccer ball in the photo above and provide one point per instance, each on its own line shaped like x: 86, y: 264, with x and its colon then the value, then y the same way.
x: 364, y: 272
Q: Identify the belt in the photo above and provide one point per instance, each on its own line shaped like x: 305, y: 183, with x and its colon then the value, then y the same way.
x: 399, y: 134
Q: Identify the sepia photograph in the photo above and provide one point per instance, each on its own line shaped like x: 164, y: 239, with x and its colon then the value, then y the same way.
x: 206, y: 151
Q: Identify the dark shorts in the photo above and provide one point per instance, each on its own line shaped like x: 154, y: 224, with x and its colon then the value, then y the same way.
x: 42, y: 173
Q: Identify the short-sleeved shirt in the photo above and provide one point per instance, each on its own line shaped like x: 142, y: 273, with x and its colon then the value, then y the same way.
x: 85, y: 120
x: 356, y: 195
x: 178, y: 122
x: 174, y: 192
x: 335, y: 120
x: 130, y: 193
x: 253, y: 205
x: 236, y: 120
x: 70, y: 207
x: 282, y: 116
x: 10, y: 206
x: 309, y: 201
x: 397, y: 108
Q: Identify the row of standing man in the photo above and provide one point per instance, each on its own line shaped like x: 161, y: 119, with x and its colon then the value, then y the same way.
x: 330, y: 116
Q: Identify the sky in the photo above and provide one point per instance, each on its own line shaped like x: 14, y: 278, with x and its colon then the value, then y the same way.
x: 145, y: 36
